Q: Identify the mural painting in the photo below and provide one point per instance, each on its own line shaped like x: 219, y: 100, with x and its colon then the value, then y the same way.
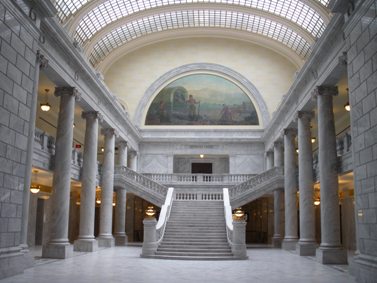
x: 202, y: 99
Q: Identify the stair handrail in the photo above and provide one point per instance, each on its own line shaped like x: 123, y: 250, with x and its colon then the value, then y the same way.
x: 254, y: 181
x: 164, y: 214
x: 228, y: 215
x: 141, y: 183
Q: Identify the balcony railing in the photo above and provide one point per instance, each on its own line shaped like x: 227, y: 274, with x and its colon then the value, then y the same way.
x: 224, y: 179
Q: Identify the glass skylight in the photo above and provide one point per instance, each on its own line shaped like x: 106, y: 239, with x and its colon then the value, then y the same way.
x: 109, y: 11
x: 198, y: 18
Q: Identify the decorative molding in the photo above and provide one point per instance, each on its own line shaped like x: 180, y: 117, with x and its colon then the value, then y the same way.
x: 92, y: 114
x: 109, y: 132
x: 326, y: 90
x: 256, y: 97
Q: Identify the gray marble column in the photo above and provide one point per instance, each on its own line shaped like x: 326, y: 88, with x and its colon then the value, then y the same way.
x: 306, y: 245
x: 86, y: 241
x: 105, y: 237
x: 278, y: 154
x: 330, y: 250
x: 120, y: 218
x: 278, y: 196
x: 122, y: 153
x: 58, y: 245
x: 269, y: 159
x: 290, y: 190
x: 133, y: 160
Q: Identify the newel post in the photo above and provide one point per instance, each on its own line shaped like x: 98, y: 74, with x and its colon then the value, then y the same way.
x: 150, y: 236
x: 239, y: 235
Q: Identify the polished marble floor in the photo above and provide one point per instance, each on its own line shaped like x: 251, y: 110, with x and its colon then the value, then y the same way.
x: 123, y: 264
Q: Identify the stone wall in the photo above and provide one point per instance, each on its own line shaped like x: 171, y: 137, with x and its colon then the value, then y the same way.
x: 361, y: 36
x: 17, y: 66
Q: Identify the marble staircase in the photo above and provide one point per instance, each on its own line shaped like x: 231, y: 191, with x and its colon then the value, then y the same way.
x: 195, y: 230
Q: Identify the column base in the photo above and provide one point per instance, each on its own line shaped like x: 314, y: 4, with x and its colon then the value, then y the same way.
x: 364, y: 268
x: 276, y: 242
x: 28, y: 257
x: 59, y: 251
x: 239, y: 251
x: 106, y: 242
x: 289, y: 244
x: 306, y: 248
x: 85, y: 245
x: 121, y: 240
x: 327, y: 255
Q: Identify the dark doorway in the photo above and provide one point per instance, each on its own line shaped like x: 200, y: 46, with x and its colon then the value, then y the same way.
x: 201, y: 168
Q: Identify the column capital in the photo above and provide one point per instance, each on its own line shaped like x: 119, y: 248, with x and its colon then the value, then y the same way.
x: 305, y: 115
x: 122, y: 143
x: 325, y: 90
x: 109, y: 132
x: 41, y: 60
x: 290, y: 131
x: 67, y: 90
x: 133, y: 153
x: 92, y: 114
x: 278, y: 143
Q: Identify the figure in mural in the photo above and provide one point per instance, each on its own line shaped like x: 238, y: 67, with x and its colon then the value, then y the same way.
x: 226, y: 115
x: 202, y: 99
x: 192, y: 115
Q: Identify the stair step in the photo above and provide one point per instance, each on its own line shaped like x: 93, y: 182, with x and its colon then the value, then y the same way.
x: 194, y: 250
x: 194, y: 253
x: 202, y: 257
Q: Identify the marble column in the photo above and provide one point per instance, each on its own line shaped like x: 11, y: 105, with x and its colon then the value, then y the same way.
x: 86, y: 241
x: 122, y: 153
x: 290, y: 190
x: 120, y: 218
x: 306, y: 245
x: 58, y: 245
x: 278, y: 196
x: 105, y: 237
x: 330, y: 250
x: 269, y: 159
x: 278, y: 154
x: 133, y: 160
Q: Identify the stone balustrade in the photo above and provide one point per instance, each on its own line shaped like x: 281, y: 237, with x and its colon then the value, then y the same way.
x: 140, y: 185
x: 199, y: 196
x: 223, y: 179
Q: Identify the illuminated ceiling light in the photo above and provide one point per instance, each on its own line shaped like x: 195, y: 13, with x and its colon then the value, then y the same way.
x: 102, y: 149
x: 113, y: 203
x: 45, y: 106
x: 347, y: 106
x: 98, y: 201
x: 313, y: 139
x: 297, y: 150
x: 317, y: 202
x: 35, y: 189
x: 201, y: 156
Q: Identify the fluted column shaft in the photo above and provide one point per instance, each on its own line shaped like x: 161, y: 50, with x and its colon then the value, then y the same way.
x: 306, y: 244
x: 106, y: 210
x: 290, y: 189
x: 122, y: 153
x: 330, y: 250
x: 88, y: 191
x: 59, y: 216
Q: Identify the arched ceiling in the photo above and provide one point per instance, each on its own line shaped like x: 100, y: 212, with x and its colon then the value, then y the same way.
x: 104, y: 27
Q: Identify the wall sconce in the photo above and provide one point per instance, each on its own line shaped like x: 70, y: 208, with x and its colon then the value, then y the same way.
x: 102, y: 149
x: 150, y: 211
x: 98, y: 201
x: 45, y: 106
x: 201, y: 155
x: 317, y: 202
x: 313, y: 140
x: 347, y: 106
x: 238, y: 214
x: 35, y: 189
x: 114, y: 203
x: 297, y: 150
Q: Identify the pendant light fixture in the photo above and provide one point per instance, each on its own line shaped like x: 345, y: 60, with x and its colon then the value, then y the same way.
x: 46, y: 106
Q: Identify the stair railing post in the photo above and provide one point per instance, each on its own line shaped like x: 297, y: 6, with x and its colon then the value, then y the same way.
x: 238, y: 238
x: 150, y: 239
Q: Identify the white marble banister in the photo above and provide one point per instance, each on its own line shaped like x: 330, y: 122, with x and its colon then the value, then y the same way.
x: 177, y: 178
x: 140, y: 185
x: 257, y: 186
x: 164, y: 214
x: 228, y: 215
